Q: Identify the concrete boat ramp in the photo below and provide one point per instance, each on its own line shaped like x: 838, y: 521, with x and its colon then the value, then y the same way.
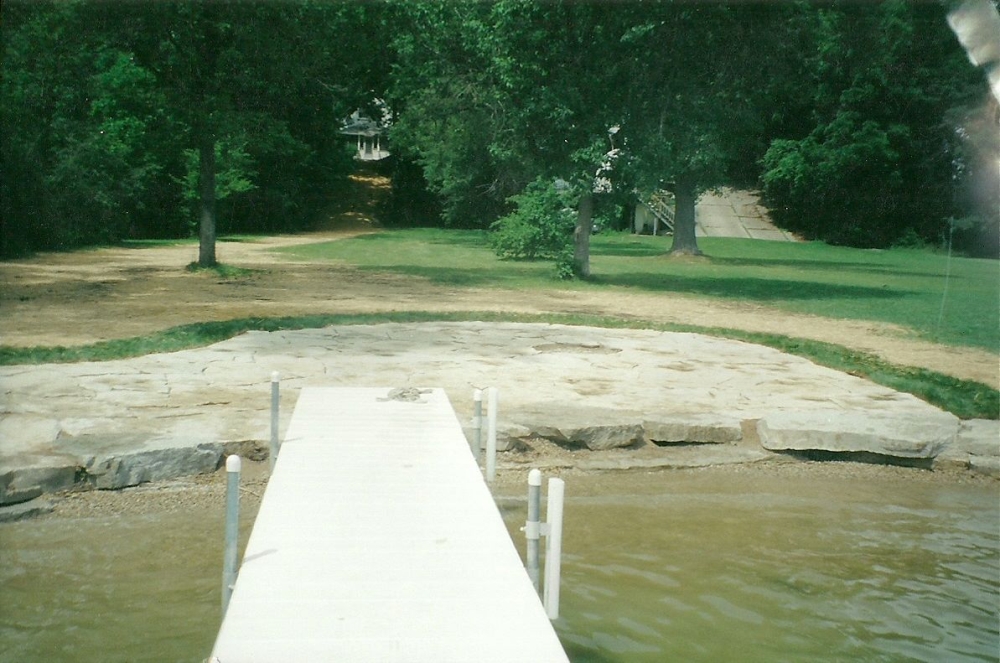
x: 653, y: 394
x: 377, y: 540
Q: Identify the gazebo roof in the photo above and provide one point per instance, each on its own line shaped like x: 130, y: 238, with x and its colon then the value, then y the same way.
x: 361, y: 125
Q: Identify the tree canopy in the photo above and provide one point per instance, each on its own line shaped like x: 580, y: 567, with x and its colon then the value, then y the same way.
x: 134, y: 119
x: 877, y: 158
x: 861, y: 123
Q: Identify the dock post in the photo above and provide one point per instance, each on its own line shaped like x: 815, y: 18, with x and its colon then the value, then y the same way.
x: 477, y: 424
x: 553, y: 547
x: 533, y: 528
x: 275, y: 445
x: 232, y: 529
x: 491, y: 437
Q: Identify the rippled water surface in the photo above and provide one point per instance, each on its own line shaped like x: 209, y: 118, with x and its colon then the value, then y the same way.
x: 669, y: 566
x: 106, y: 589
x: 757, y: 567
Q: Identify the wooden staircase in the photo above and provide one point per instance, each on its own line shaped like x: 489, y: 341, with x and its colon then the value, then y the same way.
x: 660, y: 206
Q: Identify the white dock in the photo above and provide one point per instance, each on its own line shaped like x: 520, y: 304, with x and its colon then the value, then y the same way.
x: 378, y: 540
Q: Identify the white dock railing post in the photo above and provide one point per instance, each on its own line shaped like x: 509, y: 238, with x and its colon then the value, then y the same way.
x: 233, y: 465
x: 275, y: 444
x: 477, y: 424
x: 533, y: 526
x: 491, y: 437
x: 553, y: 547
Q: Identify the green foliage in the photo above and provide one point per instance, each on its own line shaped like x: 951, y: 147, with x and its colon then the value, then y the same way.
x: 856, y: 118
x: 103, y: 107
x: 234, y: 174
x: 447, y: 109
x: 84, y: 129
x: 566, y: 267
x: 234, y: 170
x: 842, y: 180
x: 877, y: 161
x: 541, y: 225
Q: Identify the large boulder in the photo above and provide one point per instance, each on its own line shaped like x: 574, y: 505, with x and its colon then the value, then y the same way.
x: 512, y: 437
x: 570, y: 426
x: 979, y: 437
x: 920, y: 436
x: 693, y: 429
x: 132, y: 469
x: 976, y: 447
x: 24, y: 484
x: 598, y: 437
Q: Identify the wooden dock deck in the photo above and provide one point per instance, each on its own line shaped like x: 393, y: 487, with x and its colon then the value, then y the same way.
x: 378, y: 540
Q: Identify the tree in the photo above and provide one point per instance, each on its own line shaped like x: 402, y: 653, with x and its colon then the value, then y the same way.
x: 877, y: 159
x: 119, y: 116
x: 191, y: 47
x: 700, y: 77
x: 539, y: 224
x: 545, y: 83
x: 491, y: 97
x: 114, y: 113
x: 449, y: 113
x: 84, y: 130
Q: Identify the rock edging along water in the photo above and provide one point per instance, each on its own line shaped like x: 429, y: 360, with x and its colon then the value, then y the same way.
x: 119, y: 471
x: 116, y: 423
x: 966, y: 445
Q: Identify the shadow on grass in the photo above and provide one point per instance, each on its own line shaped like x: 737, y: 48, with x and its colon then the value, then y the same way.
x: 757, y: 289
x: 630, y: 250
x: 468, y: 239
x: 754, y: 289
x: 824, y: 265
x: 154, y: 243
x: 469, y: 277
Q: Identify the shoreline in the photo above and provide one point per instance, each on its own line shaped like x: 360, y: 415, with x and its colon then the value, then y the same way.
x: 659, y: 398
x: 207, y: 491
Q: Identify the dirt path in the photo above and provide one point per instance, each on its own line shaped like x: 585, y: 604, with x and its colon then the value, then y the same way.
x: 87, y: 296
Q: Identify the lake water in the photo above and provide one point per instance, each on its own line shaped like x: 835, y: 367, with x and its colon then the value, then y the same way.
x: 664, y: 566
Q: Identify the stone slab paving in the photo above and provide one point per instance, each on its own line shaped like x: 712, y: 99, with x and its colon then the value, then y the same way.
x: 119, y: 423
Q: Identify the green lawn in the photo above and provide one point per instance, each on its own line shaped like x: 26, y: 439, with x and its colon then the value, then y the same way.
x: 906, y: 287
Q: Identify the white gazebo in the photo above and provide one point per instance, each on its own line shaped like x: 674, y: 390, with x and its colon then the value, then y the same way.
x: 369, y: 135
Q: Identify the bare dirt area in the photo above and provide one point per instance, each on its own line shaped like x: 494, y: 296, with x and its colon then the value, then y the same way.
x: 86, y: 296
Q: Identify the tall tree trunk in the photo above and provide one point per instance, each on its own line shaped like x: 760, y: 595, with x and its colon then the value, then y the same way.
x: 206, y: 181
x: 581, y: 236
x: 685, y: 241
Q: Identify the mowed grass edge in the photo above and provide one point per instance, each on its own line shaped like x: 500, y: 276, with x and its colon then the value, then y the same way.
x: 944, y: 299
x: 965, y: 399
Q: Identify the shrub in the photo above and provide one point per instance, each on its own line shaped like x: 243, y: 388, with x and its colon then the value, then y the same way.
x: 541, y: 225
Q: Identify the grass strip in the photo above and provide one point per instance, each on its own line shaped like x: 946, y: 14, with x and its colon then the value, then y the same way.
x: 945, y: 300
x: 965, y: 399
